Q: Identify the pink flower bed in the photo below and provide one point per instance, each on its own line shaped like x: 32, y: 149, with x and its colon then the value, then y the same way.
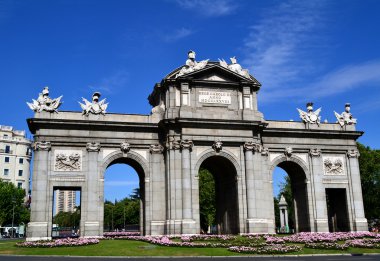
x: 66, y: 242
x: 115, y: 234
x: 269, y: 249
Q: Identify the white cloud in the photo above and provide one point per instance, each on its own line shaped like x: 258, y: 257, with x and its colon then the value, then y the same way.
x: 177, y: 35
x: 209, y: 7
x: 120, y: 183
x: 112, y: 83
x: 279, y: 46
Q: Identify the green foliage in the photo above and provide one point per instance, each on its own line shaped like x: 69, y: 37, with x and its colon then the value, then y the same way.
x: 276, y: 212
x: 369, y: 163
x: 67, y: 219
x: 127, y: 210
x: 207, y: 199
x: 11, y: 196
x: 286, y: 190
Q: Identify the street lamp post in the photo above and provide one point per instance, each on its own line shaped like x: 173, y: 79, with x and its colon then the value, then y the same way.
x: 13, y: 215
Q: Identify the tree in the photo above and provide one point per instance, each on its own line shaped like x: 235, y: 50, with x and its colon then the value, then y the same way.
x: 67, y: 219
x: 12, y: 197
x: 286, y: 190
x: 207, y: 200
x: 369, y: 164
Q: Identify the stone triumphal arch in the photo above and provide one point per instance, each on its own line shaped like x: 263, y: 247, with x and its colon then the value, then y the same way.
x: 204, y: 114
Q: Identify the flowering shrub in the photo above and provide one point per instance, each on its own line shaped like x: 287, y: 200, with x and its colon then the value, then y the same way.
x: 114, y: 234
x: 208, y: 237
x: 65, y: 242
x: 364, y: 243
x: 327, y: 245
x: 269, y: 249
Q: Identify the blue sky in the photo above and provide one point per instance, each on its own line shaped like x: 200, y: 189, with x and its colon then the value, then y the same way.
x: 321, y: 51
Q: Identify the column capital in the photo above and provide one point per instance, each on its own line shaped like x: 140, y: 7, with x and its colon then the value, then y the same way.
x: 252, y: 146
x: 315, y: 152
x: 173, y: 144
x: 93, y: 146
x: 42, y: 145
x: 353, y: 153
x: 156, y: 149
x: 186, y: 144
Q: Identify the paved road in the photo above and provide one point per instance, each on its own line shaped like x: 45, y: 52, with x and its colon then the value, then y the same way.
x: 287, y: 258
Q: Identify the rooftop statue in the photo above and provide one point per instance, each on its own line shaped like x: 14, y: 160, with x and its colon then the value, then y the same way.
x: 191, y: 64
x: 45, y: 103
x: 346, y: 117
x: 235, y: 67
x: 310, y: 116
x: 94, y: 107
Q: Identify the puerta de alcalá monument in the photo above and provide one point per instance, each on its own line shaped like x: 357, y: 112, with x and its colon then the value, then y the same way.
x: 204, y: 115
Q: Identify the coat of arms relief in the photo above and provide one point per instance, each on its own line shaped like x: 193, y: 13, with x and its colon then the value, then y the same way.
x: 68, y: 160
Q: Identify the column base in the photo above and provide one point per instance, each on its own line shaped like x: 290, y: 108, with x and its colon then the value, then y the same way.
x: 38, y: 231
x: 91, y: 229
x: 174, y: 227
x: 321, y: 225
x: 157, y: 228
x: 189, y: 227
x: 361, y: 224
x: 260, y: 226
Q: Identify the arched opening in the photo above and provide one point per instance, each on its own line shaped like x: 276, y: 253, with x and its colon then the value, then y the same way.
x: 290, y: 182
x: 219, y: 173
x: 124, y: 196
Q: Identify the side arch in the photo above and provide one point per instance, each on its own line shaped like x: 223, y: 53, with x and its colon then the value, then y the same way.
x: 295, y: 159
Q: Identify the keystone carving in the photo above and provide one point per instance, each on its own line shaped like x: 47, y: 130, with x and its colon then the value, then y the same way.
x: 288, y: 152
x: 218, y: 145
x: 156, y: 148
x: 315, y: 152
x: 353, y: 153
x: 186, y: 144
x: 42, y: 145
x: 93, y: 146
x: 125, y: 147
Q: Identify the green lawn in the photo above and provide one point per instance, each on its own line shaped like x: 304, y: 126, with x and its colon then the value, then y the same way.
x: 136, y: 248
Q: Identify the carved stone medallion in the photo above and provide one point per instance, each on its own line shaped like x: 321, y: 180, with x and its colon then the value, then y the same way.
x: 333, y: 166
x: 68, y: 160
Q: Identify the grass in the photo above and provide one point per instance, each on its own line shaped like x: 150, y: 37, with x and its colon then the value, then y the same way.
x: 137, y: 248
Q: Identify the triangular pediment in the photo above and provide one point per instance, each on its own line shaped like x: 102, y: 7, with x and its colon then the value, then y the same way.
x: 213, y: 72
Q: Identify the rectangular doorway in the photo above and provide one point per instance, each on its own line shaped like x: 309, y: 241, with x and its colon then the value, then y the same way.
x: 336, y: 200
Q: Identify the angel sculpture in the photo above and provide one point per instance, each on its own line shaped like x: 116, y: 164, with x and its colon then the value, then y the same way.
x: 95, y: 107
x: 235, y: 67
x: 191, y: 64
x: 310, y: 116
x: 346, y: 117
x: 45, y: 103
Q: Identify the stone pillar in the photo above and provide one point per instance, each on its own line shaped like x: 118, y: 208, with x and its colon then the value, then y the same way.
x: 251, y: 200
x: 188, y: 223
x: 283, y: 206
x: 320, y: 209
x: 38, y: 228
x: 91, y: 201
x: 158, y: 206
x: 360, y: 222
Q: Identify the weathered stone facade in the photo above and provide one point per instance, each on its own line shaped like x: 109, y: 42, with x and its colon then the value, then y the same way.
x: 204, y: 118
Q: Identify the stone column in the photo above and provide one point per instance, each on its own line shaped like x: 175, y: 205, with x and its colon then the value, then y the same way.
x: 320, y: 209
x: 38, y: 228
x: 251, y: 200
x: 283, y: 206
x: 91, y: 203
x: 360, y: 222
x: 188, y: 224
x: 158, y: 206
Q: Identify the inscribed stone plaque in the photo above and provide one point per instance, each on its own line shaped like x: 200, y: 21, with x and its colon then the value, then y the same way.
x: 215, y: 97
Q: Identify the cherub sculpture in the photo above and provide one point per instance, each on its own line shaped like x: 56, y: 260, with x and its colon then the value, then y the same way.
x: 45, y: 103
x: 95, y: 107
x: 346, y: 117
x: 235, y: 67
x: 191, y: 64
x: 310, y: 116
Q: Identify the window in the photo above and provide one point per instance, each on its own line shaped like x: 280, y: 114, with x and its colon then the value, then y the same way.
x: 6, y: 159
x: 5, y: 136
x: 19, y: 184
x: 27, y: 151
x: 6, y: 172
x: 7, y: 149
x: 20, y: 173
x: 21, y: 161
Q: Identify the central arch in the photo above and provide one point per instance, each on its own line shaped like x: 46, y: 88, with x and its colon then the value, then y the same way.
x: 140, y: 166
x: 224, y: 174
